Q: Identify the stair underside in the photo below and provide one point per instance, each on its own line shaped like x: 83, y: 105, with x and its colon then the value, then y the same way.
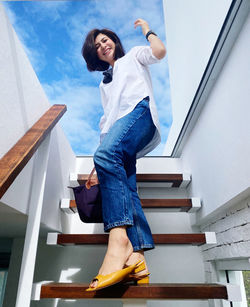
x: 174, y: 179
x: 78, y: 239
x: 183, y: 205
x: 126, y: 291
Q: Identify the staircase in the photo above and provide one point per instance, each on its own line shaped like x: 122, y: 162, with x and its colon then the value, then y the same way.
x: 184, y: 246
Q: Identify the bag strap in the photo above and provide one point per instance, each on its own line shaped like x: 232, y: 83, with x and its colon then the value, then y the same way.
x: 91, y: 174
x: 87, y: 184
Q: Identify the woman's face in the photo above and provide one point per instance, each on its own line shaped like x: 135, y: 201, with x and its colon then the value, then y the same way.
x: 105, y: 48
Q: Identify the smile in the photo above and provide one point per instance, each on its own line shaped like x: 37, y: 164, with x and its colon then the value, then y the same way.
x: 107, y: 51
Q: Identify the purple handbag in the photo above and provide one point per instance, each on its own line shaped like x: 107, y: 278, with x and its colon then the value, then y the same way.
x: 89, y: 201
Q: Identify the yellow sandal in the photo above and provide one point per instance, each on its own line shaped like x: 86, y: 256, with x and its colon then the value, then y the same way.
x: 105, y: 281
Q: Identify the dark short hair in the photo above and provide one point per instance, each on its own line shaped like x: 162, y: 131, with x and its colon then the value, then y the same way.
x: 89, y: 52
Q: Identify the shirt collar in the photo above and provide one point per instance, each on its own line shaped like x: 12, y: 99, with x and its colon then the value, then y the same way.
x: 108, y: 75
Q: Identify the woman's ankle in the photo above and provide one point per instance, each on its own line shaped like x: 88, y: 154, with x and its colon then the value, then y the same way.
x: 136, y: 256
x: 118, y: 238
x: 118, y: 252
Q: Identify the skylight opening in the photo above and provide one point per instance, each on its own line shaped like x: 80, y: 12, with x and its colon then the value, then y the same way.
x: 52, y: 33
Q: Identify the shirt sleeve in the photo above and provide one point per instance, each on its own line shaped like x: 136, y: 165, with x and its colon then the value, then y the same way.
x: 145, y: 56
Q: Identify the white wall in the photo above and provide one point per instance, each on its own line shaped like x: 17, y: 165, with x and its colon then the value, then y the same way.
x: 217, y: 151
x: 22, y: 99
x: 23, y: 102
x: 192, y: 28
x: 232, y: 229
x: 61, y: 163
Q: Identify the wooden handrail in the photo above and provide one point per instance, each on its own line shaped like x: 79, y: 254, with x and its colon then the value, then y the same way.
x: 18, y: 156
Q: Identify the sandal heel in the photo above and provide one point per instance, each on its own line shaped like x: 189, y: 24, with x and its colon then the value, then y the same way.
x: 144, y: 280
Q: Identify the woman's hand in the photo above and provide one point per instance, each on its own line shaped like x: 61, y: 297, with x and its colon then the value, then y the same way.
x: 144, y: 25
x: 92, y: 179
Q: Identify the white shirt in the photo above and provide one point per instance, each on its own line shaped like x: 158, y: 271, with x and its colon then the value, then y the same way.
x: 131, y: 83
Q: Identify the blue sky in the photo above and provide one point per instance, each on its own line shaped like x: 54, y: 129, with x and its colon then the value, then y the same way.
x: 52, y: 33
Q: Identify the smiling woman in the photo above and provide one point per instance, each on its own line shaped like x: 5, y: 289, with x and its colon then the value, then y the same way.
x: 129, y: 130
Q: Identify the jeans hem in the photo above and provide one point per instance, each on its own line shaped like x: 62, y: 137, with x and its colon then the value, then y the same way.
x: 144, y: 247
x: 117, y: 224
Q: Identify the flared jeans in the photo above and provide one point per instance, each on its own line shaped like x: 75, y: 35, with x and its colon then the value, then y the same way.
x: 115, y: 163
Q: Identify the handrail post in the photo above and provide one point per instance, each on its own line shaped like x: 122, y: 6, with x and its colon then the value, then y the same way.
x: 33, y: 225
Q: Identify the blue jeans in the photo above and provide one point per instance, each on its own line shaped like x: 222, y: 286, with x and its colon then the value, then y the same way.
x: 115, y: 162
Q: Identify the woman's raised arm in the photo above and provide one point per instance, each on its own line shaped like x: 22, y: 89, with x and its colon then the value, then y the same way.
x: 156, y: 44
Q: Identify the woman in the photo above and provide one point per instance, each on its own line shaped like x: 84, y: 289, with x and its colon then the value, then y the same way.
x: 129, y: 130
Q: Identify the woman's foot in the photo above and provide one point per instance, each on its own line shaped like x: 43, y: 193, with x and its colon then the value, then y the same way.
x: 119, y: 251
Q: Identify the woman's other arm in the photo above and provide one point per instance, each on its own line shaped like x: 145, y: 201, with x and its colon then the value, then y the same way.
x: 158, y: 48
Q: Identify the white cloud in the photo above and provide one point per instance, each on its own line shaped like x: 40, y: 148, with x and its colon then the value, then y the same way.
x: 46, y: 9
x: 119, y: 16
x: 27, y: 36
x: 80, y: 123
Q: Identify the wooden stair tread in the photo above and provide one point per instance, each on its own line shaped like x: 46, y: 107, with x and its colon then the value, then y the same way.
x: 175, y: 179
x: 183, y: 204
x: 79, y: 239
x: 145, y: 291
x: 167, y: 203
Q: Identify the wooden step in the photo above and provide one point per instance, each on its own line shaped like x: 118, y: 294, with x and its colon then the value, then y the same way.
x: 127, y: 291
x: 81, y: 239
x: 147, y: 180
x: 174, y: 205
